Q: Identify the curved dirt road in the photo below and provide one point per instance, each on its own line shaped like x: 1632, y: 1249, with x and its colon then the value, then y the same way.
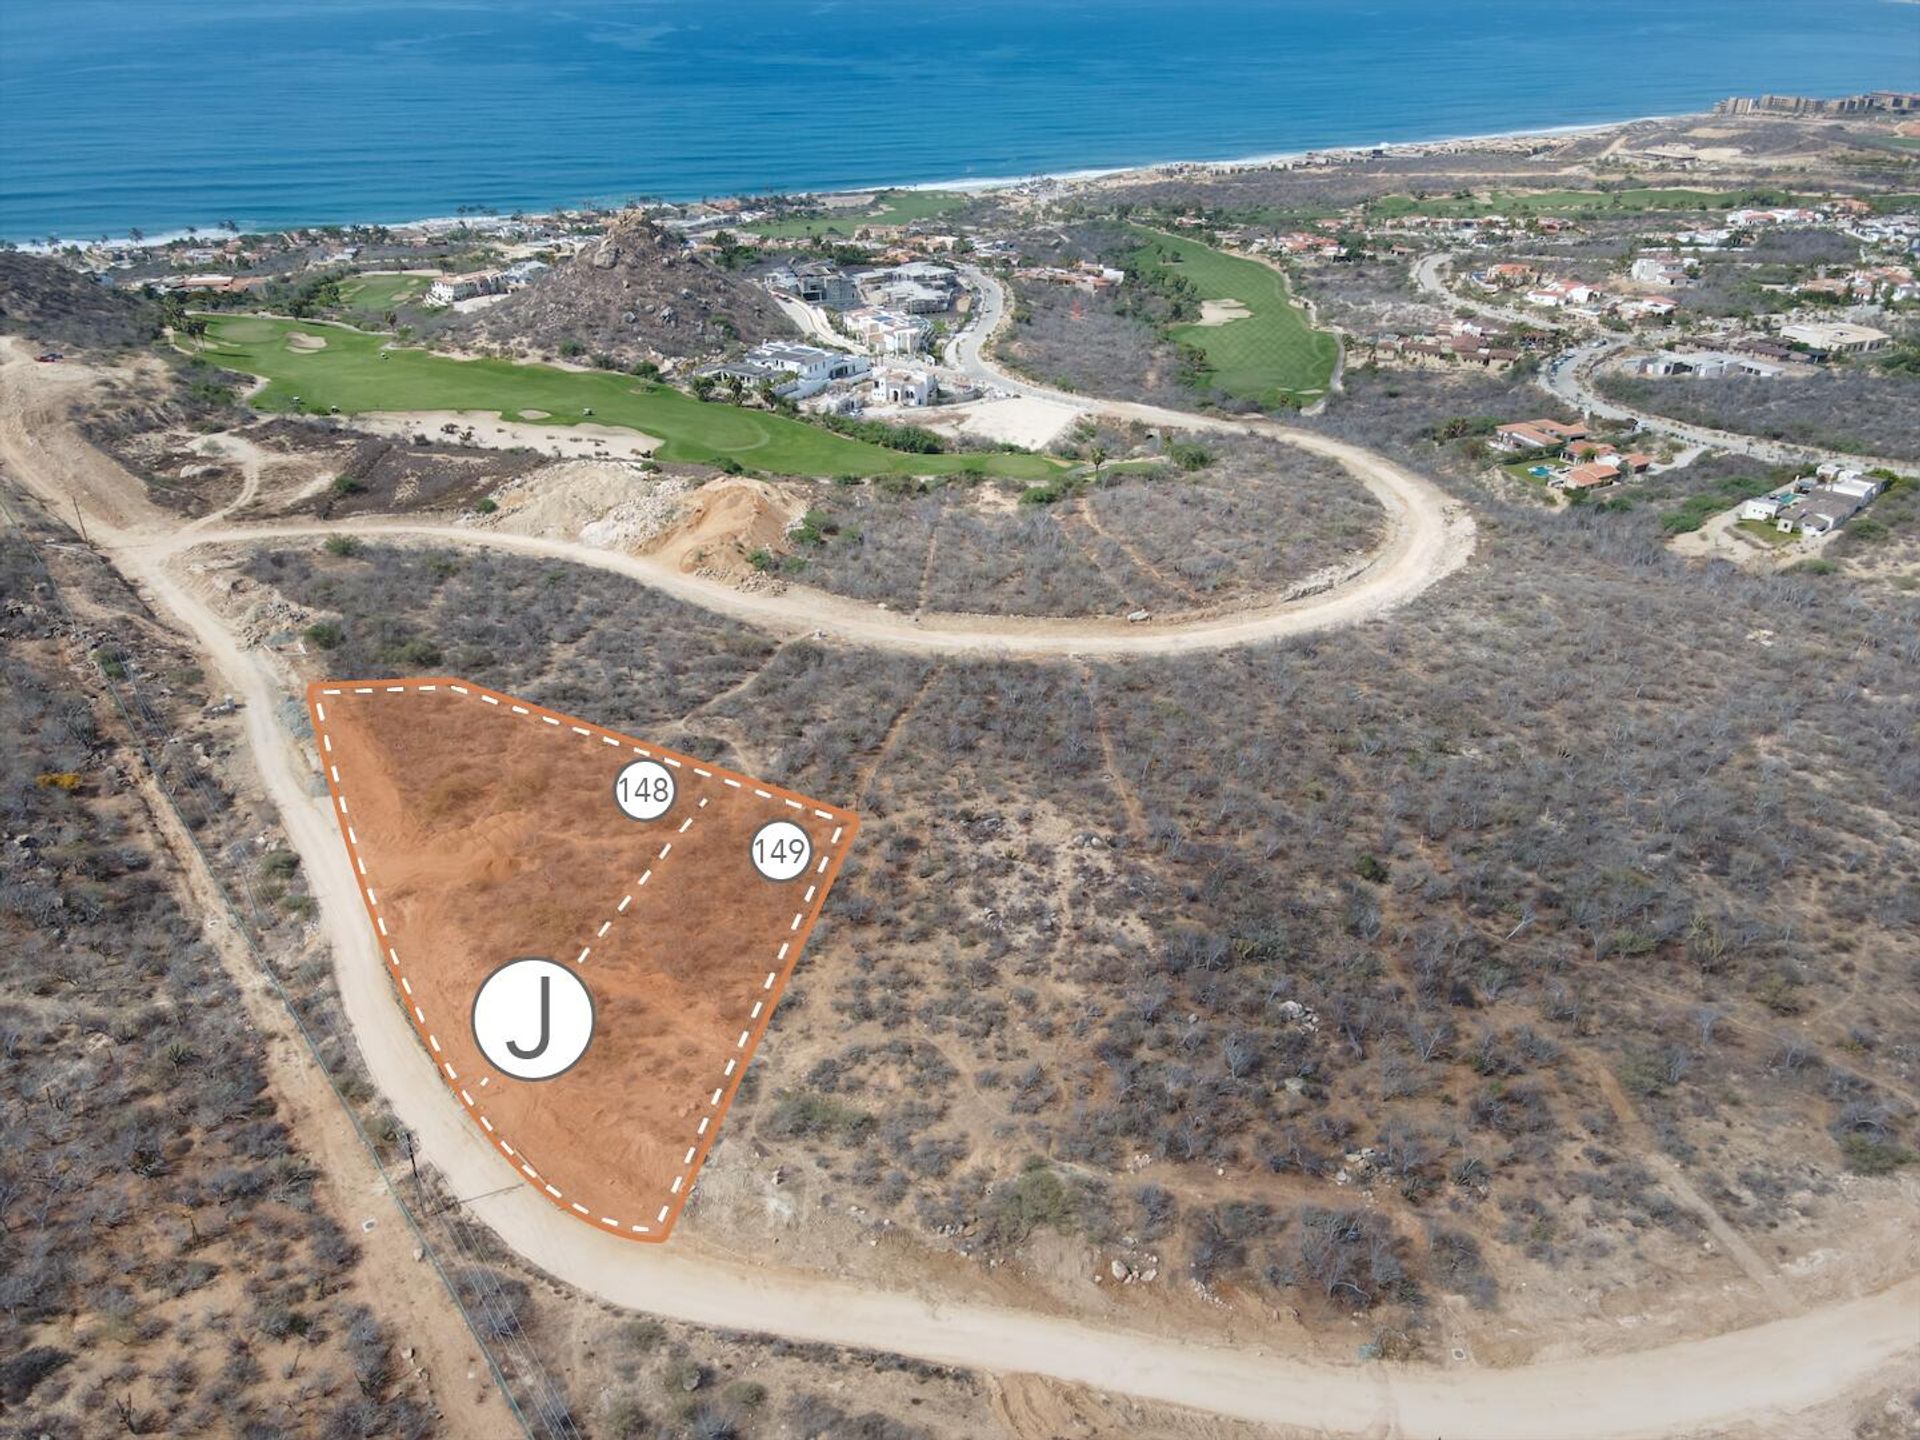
x: 1762, y: 1374
x: 1428, y: 537
x: 1416, y: 554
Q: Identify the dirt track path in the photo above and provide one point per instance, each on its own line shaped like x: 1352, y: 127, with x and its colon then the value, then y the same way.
x: 1429, y: 536
x: 1762, y: 1374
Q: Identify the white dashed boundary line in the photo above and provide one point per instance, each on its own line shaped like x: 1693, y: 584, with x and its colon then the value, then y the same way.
x: 734, y: 1070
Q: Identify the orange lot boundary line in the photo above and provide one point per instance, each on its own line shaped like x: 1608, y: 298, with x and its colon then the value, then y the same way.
x: 659, y: 1225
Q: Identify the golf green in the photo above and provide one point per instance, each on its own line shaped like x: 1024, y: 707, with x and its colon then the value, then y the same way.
x: 1271, y: 353
x: 356, y: 372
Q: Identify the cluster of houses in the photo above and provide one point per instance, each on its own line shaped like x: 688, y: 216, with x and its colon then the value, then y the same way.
x: 1816, y: 503
x: 1795, y: 350
x: 452, y: 289
x: 1565, y: 455
x: 837, y: 380
x: 1082, y: 275
x: 916, y: 287
x: 796, y: 371
x: 1464, y: 343
x: 209, y: 284
x: 884, y: 309
x: 1866, y: 285
x: 1303, y: 243
x: 1573, y: 295
x: 1711, y: 365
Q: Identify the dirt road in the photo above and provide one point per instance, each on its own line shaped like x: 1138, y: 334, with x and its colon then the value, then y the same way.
x: 1417, y: 552
x: 1763, y: 1374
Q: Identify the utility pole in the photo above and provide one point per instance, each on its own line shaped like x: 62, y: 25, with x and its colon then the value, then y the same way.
x: 82, y: 519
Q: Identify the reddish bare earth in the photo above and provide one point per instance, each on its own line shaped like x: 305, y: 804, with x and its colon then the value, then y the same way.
x: 484, y: 829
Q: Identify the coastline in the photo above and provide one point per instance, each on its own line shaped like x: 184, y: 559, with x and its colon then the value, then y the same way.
x: 974, y: 185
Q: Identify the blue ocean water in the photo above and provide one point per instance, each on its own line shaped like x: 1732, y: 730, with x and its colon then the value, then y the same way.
x: 162, y: 113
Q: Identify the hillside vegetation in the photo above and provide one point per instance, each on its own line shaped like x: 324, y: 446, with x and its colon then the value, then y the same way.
x: 53, y: 305
x: 1412, y: 912
x: 636, y: 294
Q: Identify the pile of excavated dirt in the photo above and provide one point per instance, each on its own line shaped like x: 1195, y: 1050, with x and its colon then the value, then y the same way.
x: 708, y: 529
x: 612, y: 504
x: 724, y: 522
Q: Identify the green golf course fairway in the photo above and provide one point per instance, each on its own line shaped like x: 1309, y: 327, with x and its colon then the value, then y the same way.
x: 357, y: 373
x: 375, y: 293
x: 1273, y: 355
x: 890, y: 207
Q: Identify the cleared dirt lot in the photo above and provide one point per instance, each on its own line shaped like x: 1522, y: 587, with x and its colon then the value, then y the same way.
x: 484, y: 829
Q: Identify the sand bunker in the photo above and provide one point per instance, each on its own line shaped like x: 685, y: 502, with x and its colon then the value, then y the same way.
x: 483, y: 427
x: 298, y: 340
x: 1222, y: 312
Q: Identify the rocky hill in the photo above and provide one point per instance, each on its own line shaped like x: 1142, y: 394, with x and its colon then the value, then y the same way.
x: 636, y: 294
x: 62, y: 309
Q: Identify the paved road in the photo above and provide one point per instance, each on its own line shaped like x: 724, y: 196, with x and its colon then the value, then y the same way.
x: 1760, y: 1374
x: 1569, y: 379
x: 1430, y: 275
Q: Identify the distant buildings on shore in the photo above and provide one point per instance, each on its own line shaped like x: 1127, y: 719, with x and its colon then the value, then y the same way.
x: 1884, y: 102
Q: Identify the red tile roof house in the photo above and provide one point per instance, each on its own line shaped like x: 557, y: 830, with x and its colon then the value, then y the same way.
x: 1506, y: 274
x: 1525, y: 435
x: 1589, y: 477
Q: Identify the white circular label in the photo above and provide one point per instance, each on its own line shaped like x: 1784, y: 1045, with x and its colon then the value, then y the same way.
x: 533, y: 1019
x: 781, y: 850
x: 644, y: 790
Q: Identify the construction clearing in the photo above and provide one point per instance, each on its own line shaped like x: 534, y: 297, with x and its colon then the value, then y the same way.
x: 589, y: 933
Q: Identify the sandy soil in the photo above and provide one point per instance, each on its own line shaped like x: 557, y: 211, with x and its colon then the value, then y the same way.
x: 1019, y: 420
x: 1720, y: 538
x: 299, y: 341
x: 613, y: 504
x: 717, y: 527
x: 707, y: 530
x: 483, y: 427
x: 484, y: 829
